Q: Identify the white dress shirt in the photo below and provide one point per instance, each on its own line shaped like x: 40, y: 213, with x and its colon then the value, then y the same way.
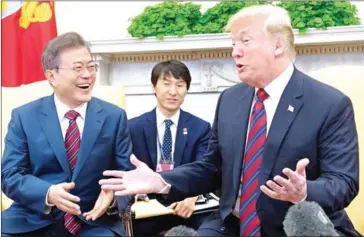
x: 161, y: 127
x: 62, y: 109
x: 274, y: 90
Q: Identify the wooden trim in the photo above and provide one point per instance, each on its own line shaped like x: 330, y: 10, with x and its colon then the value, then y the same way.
x: 226, y: 53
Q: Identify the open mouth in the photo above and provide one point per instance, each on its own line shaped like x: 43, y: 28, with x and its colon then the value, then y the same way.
x: 84, y: 86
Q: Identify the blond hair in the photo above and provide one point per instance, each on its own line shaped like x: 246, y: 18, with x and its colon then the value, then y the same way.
x: 277, y: 23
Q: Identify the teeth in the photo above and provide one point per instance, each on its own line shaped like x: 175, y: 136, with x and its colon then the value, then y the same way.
x: 83, y: 85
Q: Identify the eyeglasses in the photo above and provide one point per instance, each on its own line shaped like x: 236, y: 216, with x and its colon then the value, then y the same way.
x: 78, y: 70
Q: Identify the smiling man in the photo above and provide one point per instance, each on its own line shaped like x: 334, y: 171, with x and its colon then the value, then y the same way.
x: 168, y: 137
x: 57, y: 148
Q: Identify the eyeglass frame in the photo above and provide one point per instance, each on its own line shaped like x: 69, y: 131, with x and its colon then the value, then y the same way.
x: 81, y: 69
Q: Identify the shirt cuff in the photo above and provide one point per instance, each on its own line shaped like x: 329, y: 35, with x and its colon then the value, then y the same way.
x: 48, y: 207
x: 166, y: 186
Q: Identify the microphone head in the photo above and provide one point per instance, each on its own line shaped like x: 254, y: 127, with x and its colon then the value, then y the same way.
x: 308, y: 219
x: 181, y: 231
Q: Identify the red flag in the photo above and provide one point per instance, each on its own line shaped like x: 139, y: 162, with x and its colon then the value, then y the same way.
x: 26, y: 28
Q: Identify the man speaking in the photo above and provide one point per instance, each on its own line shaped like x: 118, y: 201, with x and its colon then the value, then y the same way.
x: 278, y: 138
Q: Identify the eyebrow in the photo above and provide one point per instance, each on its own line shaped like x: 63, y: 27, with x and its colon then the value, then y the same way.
x: 91, y: 61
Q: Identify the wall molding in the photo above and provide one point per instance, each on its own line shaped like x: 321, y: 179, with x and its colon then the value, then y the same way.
x: 226, y: 53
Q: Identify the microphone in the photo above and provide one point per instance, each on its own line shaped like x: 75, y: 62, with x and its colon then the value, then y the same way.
x: 308, y: 219
x: 181, y: 231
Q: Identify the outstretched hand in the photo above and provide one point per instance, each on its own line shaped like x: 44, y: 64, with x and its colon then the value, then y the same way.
x: 140, y: 180
x: 293, y: 189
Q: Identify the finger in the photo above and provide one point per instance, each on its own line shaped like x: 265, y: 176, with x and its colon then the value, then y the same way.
x: 97, y: 213
x: 275, y: 187
x: 125, y: 192
x: 67, y: 186
x: 69, y: 210
x: 111, y: 181
x: 285, y: 183
x: 70, y: 205
x: 113, y: 187
x: 172, y: 206
x: 293, y: 176
x: 269, y: 192
x: 115, y: 173
x: 301, y: 166
x: 69, y: 196
x: 180, y: 207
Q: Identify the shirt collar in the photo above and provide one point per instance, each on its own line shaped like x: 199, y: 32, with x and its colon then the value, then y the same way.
x: 62, y: 109
x: 276, y: 87
x: 161, y: 117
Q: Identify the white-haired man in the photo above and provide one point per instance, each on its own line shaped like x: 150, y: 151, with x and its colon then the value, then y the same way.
x: 278, y: 138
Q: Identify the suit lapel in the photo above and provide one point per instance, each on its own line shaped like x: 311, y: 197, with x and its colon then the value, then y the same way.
x: 52, y: 129
x: 93, y: 124
x: 181, y: 138
x: 282, y: 120
x: 242, y: 107
x: 150, y: 133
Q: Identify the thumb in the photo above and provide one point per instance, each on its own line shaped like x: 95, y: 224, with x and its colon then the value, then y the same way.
x: 137, y: 163
x: 67, y: 186
x: 301, y: 166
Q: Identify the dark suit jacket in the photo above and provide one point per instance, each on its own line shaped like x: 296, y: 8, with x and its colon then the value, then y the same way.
x: 321, y: 128
x: 188, y: 147
x: 35, y: 158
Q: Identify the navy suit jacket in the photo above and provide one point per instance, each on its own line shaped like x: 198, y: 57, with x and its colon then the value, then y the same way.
x: 188, y: 147
x: 35, y: 158
x: 321, y: 127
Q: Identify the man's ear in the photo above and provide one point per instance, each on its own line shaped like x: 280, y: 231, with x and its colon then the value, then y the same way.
x: 50, y: 77
x: 280, y: 47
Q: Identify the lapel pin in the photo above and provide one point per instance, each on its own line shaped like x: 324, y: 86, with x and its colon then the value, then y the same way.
x: 185, y: 131
x: 290, y: 108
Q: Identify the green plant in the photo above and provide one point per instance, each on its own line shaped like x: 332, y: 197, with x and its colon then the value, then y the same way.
x: 166, y: 18
x: 320, y: 14
x: 215, y: 18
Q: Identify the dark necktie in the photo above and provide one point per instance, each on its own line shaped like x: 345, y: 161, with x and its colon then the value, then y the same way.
x: 167, y: 142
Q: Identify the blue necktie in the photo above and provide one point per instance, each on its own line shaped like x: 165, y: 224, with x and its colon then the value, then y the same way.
x: 167, y: 142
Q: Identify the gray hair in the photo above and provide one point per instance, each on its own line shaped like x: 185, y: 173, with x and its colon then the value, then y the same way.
x: 50, y: 55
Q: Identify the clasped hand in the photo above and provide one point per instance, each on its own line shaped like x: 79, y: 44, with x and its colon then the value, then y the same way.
x: 60, y: 197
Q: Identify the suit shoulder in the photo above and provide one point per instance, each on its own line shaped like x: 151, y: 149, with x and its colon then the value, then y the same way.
x: 320, y: 89
x: 134, y: 123
x: 111, y: 108
x: 238, y: 88
x: 31, y: 107
x: 197, y: 120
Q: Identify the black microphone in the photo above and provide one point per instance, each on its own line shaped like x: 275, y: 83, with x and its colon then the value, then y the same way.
x: 308, y: 219
x: 181, y: 231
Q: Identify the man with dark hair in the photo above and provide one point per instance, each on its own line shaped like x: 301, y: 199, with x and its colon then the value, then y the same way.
x: 168, y: 137
x: 57, y: 148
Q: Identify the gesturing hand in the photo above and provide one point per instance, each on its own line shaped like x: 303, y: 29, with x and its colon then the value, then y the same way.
x: 140, y: 180
x: 293, y: 189
x: 59, y: 195
x: 102, y: 204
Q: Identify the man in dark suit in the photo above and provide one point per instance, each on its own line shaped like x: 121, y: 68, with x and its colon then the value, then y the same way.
x: 168, y: 137
x: 57, y: 148
x: 278, y: 138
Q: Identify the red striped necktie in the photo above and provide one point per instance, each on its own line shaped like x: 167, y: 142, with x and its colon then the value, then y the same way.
x: 249, y: 220
x: 72, y: 143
